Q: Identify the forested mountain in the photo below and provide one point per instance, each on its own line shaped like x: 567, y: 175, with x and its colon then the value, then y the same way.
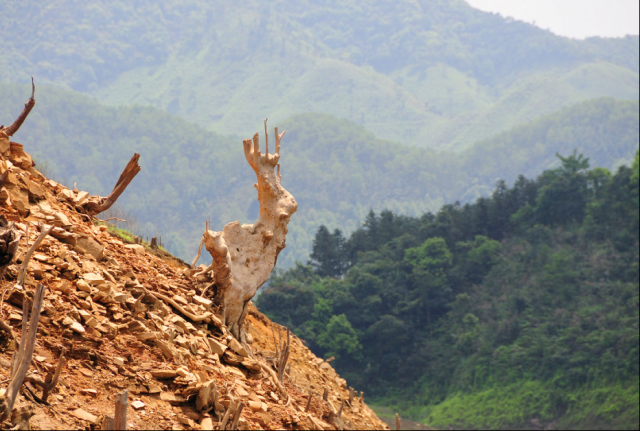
x: 426, y: 73
x: 519, y: 310
x: 336, y: 169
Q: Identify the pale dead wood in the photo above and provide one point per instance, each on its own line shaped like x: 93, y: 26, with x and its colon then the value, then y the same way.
x: 109, y: 219
x: 8, y: 329
x: 236, y: 416
x: 25, y: 354
x: 274, y: 378
x: 283, y: 356
x: 12, y: 129
x: 120, y: 418
x: 193, y: 264
x: 129, y: 173
x: 194, y: 317
x: 257, y: 244
x: 225, y: 419
x: 27, y: 257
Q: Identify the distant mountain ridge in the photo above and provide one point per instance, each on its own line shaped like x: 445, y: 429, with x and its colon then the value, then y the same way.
x: 436, y: 74
x: 336, y: 169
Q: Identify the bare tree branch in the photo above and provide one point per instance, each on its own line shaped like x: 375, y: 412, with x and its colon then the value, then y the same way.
x: 129, y: 173
x: 27, y: 257
x: 12, y: 129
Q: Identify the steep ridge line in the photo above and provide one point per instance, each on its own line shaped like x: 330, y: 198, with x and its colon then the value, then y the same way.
x: 112, y: 306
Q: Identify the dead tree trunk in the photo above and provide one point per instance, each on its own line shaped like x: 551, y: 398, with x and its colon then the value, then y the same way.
x: 245, y: 255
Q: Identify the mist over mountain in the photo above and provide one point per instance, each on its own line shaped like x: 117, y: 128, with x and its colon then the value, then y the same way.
x: 437, y: 74
x: 336, y: 169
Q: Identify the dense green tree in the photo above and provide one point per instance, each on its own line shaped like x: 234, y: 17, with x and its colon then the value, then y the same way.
x: 535, y: 286
x: 328, y: 256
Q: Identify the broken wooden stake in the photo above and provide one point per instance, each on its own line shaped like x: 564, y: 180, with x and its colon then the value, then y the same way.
x: 283, y: 356
x: 120, y: 417
x: 25, y: 353
x: 350, y: 395
x: 225, y: 419
x: 236, y: 416
x: 397, y: 422
x: 340, y: 409
x: 325, y: 395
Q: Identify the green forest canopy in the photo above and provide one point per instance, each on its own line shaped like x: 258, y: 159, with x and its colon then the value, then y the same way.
x: 437, y: 74
x: 190, y: 174
x: 522, y: 305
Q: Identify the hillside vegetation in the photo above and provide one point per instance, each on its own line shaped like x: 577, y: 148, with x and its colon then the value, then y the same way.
x: 518, y: 310
x: 336, y: 169
x: 436, y: 74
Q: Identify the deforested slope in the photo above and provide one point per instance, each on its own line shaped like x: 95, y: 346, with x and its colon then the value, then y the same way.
x: 130, y: 317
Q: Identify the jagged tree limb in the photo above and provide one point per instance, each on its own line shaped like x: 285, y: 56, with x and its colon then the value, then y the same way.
x: 12, y: 129
x: 129, y: 173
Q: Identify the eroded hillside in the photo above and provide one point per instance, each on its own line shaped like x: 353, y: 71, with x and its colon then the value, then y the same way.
x: 131, y: 317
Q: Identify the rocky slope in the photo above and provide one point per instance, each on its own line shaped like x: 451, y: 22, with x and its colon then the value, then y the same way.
x: 132, y: 317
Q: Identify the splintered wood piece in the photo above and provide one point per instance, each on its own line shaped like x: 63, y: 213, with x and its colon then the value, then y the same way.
x: 27, y: 257
x: 225, y: 419
x: 236, y: 416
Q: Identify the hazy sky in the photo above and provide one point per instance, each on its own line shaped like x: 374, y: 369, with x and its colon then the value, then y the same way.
x: 572, y: 18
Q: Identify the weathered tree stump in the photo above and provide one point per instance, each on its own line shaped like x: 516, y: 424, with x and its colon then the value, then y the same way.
x: 244, y: 255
